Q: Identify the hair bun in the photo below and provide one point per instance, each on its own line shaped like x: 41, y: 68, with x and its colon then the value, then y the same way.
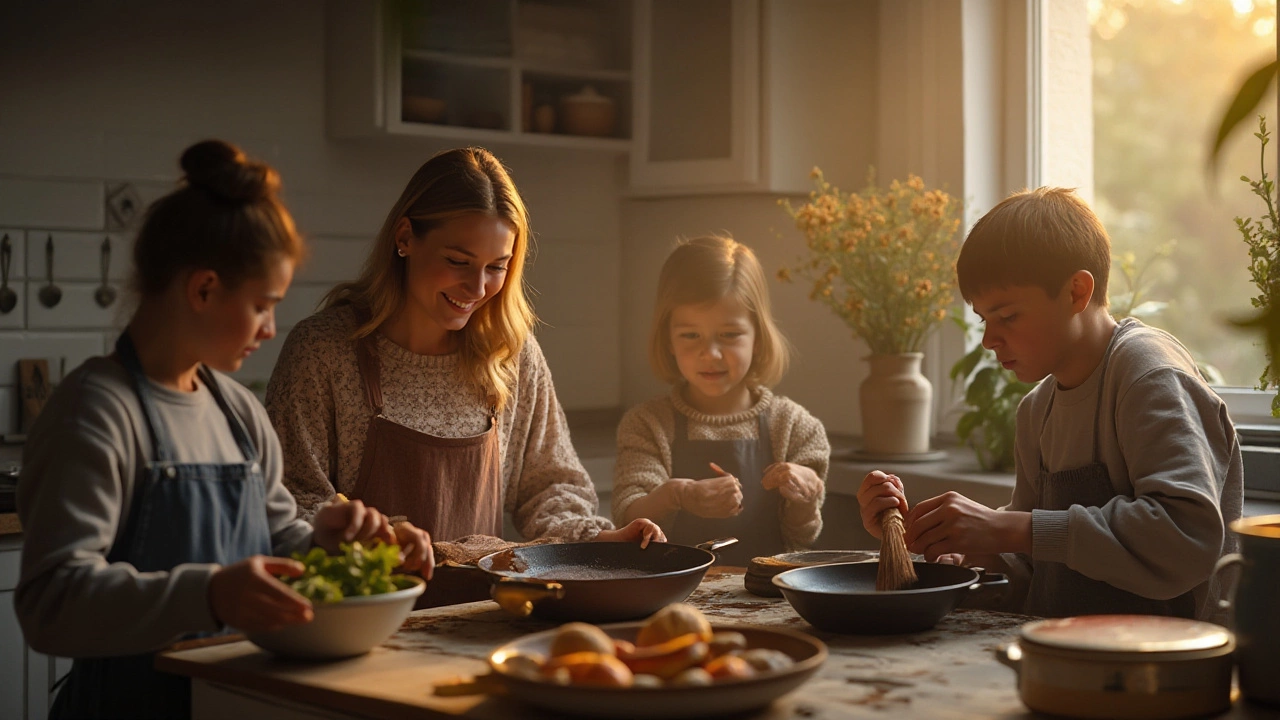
x: 223, y: 170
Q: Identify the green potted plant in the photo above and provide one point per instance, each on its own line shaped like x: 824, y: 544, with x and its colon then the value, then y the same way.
x: 1262, y: 235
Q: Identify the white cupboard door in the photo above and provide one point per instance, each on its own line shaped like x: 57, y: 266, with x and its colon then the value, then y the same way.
x: 697, y: 96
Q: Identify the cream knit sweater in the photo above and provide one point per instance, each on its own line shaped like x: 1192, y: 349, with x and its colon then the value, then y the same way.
x: 317, y: 403
x: 646, y: 432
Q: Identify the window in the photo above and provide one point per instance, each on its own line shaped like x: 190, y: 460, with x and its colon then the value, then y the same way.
x: 1163, y: 71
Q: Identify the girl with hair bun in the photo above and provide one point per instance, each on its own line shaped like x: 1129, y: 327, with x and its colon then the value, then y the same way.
x: 151, y: 496
x: 420, y: 386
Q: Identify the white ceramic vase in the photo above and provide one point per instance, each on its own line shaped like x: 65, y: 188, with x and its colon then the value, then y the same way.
x: 896, y: 400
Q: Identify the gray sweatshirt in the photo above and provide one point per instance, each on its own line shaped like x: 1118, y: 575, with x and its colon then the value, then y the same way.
x: 86, y: 453
x: 1175, y: 466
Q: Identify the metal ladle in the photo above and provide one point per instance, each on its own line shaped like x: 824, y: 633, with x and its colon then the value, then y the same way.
x: 50, y: 294
x: 8, y: 298
x: 105, y: 294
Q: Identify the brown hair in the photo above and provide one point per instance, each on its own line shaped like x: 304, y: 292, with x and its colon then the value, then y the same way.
x: 704, y: 270
x: 451, y: 184
x: 225, y: 217
x: 1035, y: 237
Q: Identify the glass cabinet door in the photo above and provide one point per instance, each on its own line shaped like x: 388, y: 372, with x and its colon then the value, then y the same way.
x: 697, y: 123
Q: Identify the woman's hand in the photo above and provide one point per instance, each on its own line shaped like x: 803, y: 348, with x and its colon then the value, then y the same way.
x: 641, y: 530
x: 796, y: 483
x: 247, y: 596
x: 344, y: 521
x: 715, y: 497
x: 952, y: 523
x: 879, y: 492
x: 415, y: 548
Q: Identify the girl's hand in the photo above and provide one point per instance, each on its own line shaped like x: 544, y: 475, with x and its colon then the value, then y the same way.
x: 415, y: 548
x: 717, y: 497
x: 344, y: 521
x: 641, y: 530
x: 247, y: 596
x: 879, y: 492
x: 796, y: 483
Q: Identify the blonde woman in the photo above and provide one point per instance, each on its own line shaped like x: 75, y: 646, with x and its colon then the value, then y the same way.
x: 419, y: 388
x: 721, y: 455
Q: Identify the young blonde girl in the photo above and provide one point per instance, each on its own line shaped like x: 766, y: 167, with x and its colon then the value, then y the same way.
x: 721, y: 455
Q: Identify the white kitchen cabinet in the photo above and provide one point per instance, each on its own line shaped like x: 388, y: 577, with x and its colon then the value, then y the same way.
x: 750, y: 95
x: 26, y: 677
x: 476, y: 71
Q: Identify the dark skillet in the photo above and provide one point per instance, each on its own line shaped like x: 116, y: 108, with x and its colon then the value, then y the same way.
x: 596, y: 581
x: 843, y: 598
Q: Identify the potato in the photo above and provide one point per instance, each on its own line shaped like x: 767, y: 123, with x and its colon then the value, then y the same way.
x: 673, y: 621
x: 765, y: 659
x: 581, y: 637
x: 692, y: 676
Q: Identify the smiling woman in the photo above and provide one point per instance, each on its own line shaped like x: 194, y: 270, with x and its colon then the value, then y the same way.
x: 420, y: 388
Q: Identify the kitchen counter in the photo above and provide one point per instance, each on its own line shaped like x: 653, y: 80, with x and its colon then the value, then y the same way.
x: 948, y: 672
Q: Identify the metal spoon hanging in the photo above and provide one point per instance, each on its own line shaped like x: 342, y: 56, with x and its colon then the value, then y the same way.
x: 8, y: 298
x: 50, y: 294
x: 105, y: 294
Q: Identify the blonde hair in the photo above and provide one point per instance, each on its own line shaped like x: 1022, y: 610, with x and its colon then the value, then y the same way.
x: 704, y: 270
x: 1035, y: 238
x: 451, y: 184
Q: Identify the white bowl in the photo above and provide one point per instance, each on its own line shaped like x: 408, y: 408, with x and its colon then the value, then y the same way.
x: 351, y: 626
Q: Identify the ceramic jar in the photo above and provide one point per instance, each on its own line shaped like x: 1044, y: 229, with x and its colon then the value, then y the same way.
x: 896, y: 400
x: 1255, y: 614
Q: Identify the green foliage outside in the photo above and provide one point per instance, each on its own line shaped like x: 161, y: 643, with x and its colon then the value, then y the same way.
x: 359, y: 570
x: 1163, y: 74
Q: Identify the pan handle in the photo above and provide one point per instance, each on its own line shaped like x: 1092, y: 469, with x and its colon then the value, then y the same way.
x: 988, y: 593
x: 714, y: 545
x: 517, y: 596
x: 1010, y: 655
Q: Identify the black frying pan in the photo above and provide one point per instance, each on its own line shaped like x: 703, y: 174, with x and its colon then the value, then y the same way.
x: 597, y: 581
x: 843, y: 598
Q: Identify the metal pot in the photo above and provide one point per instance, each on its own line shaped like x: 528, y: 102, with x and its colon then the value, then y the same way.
x: 1123, y: 666
x: 1256, y: 622
x: 596, y: 581
x: 842, y: 597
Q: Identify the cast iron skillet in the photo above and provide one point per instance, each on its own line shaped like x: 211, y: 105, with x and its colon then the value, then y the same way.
x: 843, y: 598
x: 596, y: 581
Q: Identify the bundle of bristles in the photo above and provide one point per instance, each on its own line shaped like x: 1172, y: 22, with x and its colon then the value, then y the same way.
x: 897, y: 571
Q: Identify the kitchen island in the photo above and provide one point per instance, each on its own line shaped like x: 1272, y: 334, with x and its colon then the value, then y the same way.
x: 947, y: 672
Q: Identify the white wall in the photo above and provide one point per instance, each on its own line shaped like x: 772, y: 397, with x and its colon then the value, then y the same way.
x: 92, y: 93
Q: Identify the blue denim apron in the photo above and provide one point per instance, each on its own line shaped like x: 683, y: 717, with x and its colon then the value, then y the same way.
x: 1057, y: 590
x: 759, y: 526
x: 180, y: 513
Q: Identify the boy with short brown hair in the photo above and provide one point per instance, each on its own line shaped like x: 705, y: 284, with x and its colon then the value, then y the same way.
x: 1128, y: 466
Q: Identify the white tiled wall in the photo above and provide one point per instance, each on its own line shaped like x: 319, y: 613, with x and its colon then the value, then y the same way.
x: 112, y: 93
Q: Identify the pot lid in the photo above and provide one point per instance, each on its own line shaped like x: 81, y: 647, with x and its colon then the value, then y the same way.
x: 589, y: 95
x: 1126, y: 633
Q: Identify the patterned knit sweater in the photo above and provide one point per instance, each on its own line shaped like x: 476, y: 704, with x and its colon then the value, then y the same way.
x: 317, y: 403
x: 646, y: 432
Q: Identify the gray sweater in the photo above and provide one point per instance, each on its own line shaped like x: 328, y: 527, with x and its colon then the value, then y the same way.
x: 1174, y: 462
x: 83, y: 458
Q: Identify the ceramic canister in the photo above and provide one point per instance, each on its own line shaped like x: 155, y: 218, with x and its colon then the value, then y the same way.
x: 1254, y: 607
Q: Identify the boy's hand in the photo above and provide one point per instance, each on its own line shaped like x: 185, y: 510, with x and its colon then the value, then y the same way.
x: 796, y: 483
x: 344, y: 521
x: 415, y: 548
x: 248, y: 597
x: 641, y: 530
x: 952, y: 523
x: 717, y: 497
x: 879, y: 492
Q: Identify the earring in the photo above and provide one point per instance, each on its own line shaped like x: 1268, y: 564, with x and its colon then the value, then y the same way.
x: 400, y: 252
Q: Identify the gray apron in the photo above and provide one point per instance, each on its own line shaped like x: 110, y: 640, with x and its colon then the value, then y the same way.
x: 1057, y: 590
x: 758, y: 527
x: 180, y: 513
